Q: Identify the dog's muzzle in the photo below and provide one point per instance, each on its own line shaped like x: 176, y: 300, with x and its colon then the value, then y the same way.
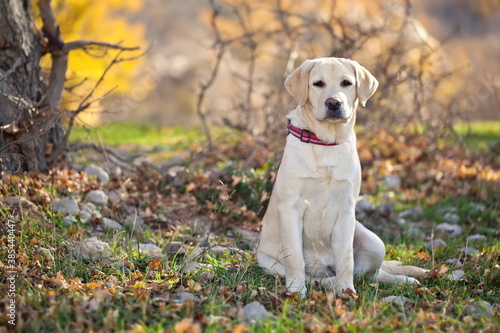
x: 334, y: 109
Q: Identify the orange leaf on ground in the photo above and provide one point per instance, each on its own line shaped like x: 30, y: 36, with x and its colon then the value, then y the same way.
x: 423, y: 255
x: 187, y: 326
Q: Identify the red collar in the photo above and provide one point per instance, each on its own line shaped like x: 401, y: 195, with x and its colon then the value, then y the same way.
x: 307, y: 136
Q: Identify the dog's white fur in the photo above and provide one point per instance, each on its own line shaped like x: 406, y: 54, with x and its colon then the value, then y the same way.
x: 309, y: 230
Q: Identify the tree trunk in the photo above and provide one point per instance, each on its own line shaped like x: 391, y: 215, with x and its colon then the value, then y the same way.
x: 28, y: 122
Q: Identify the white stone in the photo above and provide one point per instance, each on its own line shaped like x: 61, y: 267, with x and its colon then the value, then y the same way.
x: 66, y: 205
x: 46, y: 252
x: 457, y: 275
x: 469, y: 251
x: 248, y: 236
x: 414, y: 214
x: 111, y: 224
x: 97, y: 197
x: 183, y: 296
x: 454, y: 263
x: 219, y: 250
x: 392, y: 181
x: 414, y: 231
x: 399, y: 300
x: 193, y: 267
x: 149, y: 248
x: 97, y: 173
x: 477, y: 238
x: 479, y: 309
x: 115, y: 197
x: 133, y: 221
x: 93, y: 249
x: 451, y: 217
x: 478, y: 206
x: 435, y: 244
x: 69, y: 220
x: 86, y: 213
x: 253, y: 312
x: 449, y: 229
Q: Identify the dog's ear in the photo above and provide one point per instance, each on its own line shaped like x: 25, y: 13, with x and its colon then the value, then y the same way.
x: 366, y: 83
x: 297, y: 83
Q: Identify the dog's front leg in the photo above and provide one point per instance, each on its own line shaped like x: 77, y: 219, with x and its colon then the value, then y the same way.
x: 291, y: 226
x: 342, y: 244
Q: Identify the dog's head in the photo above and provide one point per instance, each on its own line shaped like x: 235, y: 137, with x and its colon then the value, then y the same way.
x: 331, y: 87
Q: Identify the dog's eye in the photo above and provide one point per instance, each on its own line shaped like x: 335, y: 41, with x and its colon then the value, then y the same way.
x: 319, y: 84
x: 345, y: 83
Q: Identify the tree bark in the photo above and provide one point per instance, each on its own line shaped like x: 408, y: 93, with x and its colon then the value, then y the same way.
x: 28, y: 122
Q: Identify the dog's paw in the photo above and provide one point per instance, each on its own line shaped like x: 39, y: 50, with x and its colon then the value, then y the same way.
x: 410, y: 280
x: 343, y: 287
x: 297, y: 292
x: 328, y: 283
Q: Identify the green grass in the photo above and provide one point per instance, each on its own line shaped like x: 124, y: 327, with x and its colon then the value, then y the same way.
x: 230, y: 281
x: 138, y: 134
x: 147, y: 135
x: 479, y: 135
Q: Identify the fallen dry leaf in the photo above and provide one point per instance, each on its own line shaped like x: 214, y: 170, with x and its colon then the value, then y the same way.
x: 187, y: 326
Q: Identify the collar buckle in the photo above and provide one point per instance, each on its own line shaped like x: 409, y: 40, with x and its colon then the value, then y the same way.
x: 302, y: 135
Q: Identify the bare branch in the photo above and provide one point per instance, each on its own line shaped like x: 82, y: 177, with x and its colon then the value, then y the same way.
x: 84, y: 44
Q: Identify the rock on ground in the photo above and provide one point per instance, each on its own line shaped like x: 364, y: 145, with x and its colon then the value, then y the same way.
x: 97, y: 172
x: 454, y: 263
x: 414, y: 231
x: 17, y: 204
x: 250, y: 237
x: 451, y: 217
x: 69, y: 220
x: 97, y: 197
x: 86, y: 212
x: 478, y: 206
x: 414, y: 214
x: 111, y: 224
x: 93, y: 249
x: 193, y: 267
x: 449, y: 229
x: 46, y: 252
x: 469, y: 251
x: 149, y: 248
x: 457, y: 275
x: 183, y: 296
x: 477, y: 238
x: 399, y: 300
x: 435, y: 244
x: 66, y: 205
x: 365, y: 206
x: 479, y: 309
x: 253, y: 312
x: 174, y: 247
x: 385, y: 210
x: 115, y: 198
x: 133, y: 221
x: 392, y: 182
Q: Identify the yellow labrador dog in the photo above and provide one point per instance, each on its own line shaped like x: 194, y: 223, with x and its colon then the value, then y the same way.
x: 309, y: 230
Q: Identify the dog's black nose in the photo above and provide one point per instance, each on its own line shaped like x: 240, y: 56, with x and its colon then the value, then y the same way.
x: 333, y: 104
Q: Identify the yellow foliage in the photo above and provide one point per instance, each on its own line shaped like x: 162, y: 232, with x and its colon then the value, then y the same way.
x: 100, y: 21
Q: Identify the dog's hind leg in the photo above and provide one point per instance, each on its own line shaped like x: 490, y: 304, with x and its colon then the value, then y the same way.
x: 369, y: 251
x: 383, y: 276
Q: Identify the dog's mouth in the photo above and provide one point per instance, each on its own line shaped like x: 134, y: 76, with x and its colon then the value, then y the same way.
x: 336, y: 117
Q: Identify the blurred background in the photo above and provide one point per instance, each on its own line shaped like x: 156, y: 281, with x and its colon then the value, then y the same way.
x: 224, y: 62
